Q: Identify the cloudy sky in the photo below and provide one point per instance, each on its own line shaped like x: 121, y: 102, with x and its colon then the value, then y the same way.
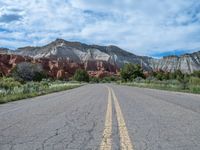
x: 144, y: 27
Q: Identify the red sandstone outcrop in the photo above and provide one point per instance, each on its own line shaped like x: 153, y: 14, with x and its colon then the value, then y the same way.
x: 99, y: 65
x: 57, y: 68
x: 101, y: 74
x: 61, y: 74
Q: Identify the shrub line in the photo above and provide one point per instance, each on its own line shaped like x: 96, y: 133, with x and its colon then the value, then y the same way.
x: 158, y: 87
x: 20, y: 96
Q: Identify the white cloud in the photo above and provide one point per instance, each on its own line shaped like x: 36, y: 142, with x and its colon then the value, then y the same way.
x: 143, y: 27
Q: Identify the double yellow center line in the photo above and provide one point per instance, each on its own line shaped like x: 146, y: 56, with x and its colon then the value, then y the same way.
x: 125, y: 142
x: 106, y: 143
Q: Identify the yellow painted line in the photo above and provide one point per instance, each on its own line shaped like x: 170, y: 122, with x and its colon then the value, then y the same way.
x: 106, y: 143
x: 125, y: 141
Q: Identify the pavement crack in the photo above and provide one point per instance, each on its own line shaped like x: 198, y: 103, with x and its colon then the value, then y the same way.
x: 48, y: 138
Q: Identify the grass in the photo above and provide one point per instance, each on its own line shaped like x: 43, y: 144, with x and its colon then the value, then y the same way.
x: 169, y: 85
x: 33, y: 89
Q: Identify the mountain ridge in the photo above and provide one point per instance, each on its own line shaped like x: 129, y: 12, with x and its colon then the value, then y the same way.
x: 82, y: 53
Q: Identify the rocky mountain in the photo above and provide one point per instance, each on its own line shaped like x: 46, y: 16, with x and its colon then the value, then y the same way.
x: 111, y: 58
x: 81, y: 53
x: 187, y: 63
x: 3, y: 50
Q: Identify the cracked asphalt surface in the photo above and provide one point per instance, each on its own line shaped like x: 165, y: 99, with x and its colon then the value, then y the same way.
x: 74, y: 119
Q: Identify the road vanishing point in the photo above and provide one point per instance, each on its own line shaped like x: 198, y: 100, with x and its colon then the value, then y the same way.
x: 102, y: 117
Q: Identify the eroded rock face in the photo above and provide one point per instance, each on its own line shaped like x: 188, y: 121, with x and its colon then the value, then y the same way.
x: 61, y: 74
x: 101, y: 74
x: 56, y: 68
x: 82, y: 53
x: 186, y: 63
x: 7, y: 62
x: 100, y: 65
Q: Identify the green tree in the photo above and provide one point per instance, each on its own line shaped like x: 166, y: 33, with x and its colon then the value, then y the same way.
x: 26, y: 71
x: 94, y: 80
x: 194, y: 81
x: 184, y: 80
x: 130, y: 71
x: 161, y: 75
x: 196, y: 74
x: 178, y: 74
x: 81, y: 75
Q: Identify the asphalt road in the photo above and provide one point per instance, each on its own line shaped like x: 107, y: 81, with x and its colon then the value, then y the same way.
x: 102, y: 117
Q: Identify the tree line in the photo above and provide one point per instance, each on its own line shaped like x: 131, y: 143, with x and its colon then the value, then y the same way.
x: 129, y: 72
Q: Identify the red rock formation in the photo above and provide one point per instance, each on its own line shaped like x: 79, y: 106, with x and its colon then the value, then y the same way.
x: 5, y: 66
x: 57, y: 68
x: 15, y: 59
x: 99, y: 65
x: 4, y: 70
x: 101, y: 74
x: 100, y: 69
x: 61, y: 74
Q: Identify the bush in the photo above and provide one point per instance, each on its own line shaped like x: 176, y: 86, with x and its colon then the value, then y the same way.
x: 81, y: 75
x: 31, y: 89
x: 130, y: 71
x: 194, y: 81
x: 109, y: 79
x: 196, y: 74
x: 176, y: 74
x: 138, y: 79
x: 94, y: 80
x: 26, y: 71
x: 161, y: 75
x: 194, y: 84
x: 184, y: 80
x: 9, y: 83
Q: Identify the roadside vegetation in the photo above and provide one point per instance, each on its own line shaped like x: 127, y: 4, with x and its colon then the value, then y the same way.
x: 81, y: 76
x: 12, y: 90
x: 29, y: 80
x: 133, y: 75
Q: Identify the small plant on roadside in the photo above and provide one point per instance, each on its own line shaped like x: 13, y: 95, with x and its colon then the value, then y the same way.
x: 183, y: 80
x: 9, y: 83
x: 94, y: 80
x: 81, y: 75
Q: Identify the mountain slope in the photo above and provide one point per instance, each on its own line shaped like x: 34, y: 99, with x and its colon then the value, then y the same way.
x: 80, y: 52
x: 187, y: 63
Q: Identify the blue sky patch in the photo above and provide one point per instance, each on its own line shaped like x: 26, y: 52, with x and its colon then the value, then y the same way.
x: 169, y: 53
x: 7, y: 18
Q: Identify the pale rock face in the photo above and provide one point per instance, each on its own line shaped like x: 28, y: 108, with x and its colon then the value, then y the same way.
x: 81, y: 53
x: 3, y: 50
x: 186, y: 63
